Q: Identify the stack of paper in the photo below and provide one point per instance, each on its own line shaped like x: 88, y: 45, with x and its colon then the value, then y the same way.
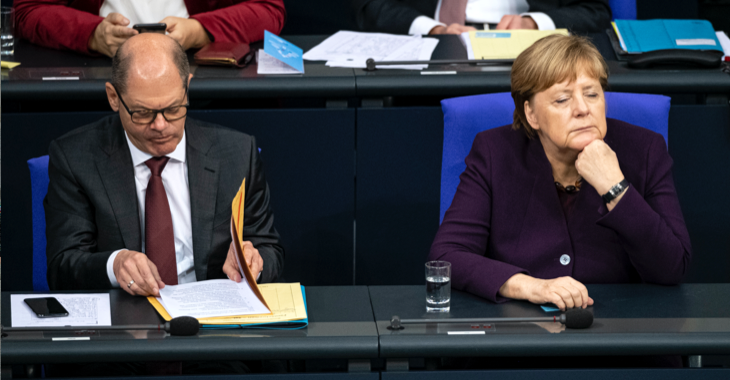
x: 725, y: 42
x: 279, y: 56
x: 352, y: 49
x: 502, y: 44
x: 224, y: 306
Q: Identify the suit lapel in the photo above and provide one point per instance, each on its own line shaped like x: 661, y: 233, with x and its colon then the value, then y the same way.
x: 117, y: 173
x: 203, y: 174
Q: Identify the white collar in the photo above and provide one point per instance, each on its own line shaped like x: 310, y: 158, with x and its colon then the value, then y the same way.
x: 139, y: 157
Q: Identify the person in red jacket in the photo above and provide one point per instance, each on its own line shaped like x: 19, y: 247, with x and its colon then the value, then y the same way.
x: 101, y: 26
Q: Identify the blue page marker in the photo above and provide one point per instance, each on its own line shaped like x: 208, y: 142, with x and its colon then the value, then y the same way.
x: 284, y: 51
x: 549, y: 309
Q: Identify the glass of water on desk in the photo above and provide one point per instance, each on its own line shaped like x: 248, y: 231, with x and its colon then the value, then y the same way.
x: 438, y: 286
x: 7, y: 30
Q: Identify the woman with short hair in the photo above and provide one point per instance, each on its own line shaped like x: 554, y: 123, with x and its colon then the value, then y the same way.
x: 563, y: 196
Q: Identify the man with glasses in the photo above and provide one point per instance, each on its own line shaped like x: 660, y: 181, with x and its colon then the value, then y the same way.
x: 142, y: 199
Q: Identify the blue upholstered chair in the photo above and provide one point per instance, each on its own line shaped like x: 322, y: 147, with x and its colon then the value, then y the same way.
x: 39, y: 187
x: 623, y: 9
x: 464, y: 117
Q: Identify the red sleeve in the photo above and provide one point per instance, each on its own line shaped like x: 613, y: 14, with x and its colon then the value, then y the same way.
x: 52, y: 23
x: 244, y: 22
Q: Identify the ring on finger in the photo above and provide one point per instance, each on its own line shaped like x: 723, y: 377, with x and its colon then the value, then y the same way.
x: 130, y: 284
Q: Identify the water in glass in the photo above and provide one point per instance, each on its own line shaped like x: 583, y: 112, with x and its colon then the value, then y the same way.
x: 438, y: 294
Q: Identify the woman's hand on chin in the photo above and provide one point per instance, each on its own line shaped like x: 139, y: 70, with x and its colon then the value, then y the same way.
x: 564, y: 292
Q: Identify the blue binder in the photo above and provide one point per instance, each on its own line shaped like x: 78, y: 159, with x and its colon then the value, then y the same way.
x: 640, y: 36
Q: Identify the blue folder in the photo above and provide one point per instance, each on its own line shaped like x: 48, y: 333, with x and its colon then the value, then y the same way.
x: 287, y: 325
x: 641, y: 36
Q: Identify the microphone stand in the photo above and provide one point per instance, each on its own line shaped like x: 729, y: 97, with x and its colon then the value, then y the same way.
x: 371, y: 63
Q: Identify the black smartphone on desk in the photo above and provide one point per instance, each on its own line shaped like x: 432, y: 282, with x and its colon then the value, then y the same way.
x: 46, y: 307
x: 150, y: 28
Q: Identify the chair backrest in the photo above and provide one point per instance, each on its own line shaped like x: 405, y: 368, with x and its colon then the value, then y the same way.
x: 39, y: 187
x: 466, y: 116
x: 623, y: 9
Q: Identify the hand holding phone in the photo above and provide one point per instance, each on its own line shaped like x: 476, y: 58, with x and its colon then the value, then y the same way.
x: 46, y: 307
x: 110, y: 34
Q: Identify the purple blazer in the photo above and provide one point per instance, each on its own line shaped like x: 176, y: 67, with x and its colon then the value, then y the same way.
x: 506, y: 217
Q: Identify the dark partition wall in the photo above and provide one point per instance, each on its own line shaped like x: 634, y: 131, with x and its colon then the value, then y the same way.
x: 398, y: 189
x: 308, y: 157
x: 699, y: 142
x: 25, y: 136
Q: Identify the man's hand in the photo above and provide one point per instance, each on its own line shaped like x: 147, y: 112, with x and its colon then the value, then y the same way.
x: 516, y: 22
x: 135, y: 266
x: 110, y: 34
x: 188, y: 32
x: 564, y: 292
x: 451, y: 29
x: 253, y: 260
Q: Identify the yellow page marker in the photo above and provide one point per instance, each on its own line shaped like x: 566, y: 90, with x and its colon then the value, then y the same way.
x: 9, y: 65
x: 237, y: 211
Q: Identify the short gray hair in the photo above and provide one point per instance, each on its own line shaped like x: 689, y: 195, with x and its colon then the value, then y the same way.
x: 123, y: 60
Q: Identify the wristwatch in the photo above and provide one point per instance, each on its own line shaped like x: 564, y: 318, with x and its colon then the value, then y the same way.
x: 615, y: 191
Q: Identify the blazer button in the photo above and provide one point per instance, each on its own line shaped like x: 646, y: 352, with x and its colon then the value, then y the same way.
x: 565, y: 259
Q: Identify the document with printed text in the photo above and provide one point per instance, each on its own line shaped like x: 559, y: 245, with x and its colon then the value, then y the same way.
x: 212, y: 298
x: 84, y: 309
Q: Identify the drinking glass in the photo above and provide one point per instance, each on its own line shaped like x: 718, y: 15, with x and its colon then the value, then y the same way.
x: 7, y: 30
x: 438, y: 286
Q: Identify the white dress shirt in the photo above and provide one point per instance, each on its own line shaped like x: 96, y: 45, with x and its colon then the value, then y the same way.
x: 485, y: 11
x: 175, y: 180
x: 144, y: 11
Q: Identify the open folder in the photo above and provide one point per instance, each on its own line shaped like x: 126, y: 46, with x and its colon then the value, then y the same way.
x: 226, y: 304
x: 502, y: 44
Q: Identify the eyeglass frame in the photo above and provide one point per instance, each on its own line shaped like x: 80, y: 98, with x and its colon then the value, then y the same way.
x: 158, y: 111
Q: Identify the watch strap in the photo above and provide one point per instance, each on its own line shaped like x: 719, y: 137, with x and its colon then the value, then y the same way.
x: 615, y: 191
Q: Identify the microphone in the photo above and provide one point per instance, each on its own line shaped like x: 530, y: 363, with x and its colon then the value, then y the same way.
x: 180, y: 326
x: 572, y: 319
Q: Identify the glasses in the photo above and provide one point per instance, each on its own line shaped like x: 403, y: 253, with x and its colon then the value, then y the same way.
x: 147, y: 116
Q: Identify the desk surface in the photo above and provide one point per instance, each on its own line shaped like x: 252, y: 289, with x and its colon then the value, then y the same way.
x: 26, y: 81
x: 634, y: 319
x: 692, y: 319
x: 340, y: 326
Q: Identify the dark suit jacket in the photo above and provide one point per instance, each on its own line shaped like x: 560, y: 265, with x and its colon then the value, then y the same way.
x: 396, y: 16
x: 506, y: 217
x: 91, y: 206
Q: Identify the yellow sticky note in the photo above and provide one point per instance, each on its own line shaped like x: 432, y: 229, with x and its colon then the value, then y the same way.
x: 8, y: 65
x: 506, y: 44
x: 237, y: 211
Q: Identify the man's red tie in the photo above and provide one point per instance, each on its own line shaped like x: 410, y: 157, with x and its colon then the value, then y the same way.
x: 158, y: 233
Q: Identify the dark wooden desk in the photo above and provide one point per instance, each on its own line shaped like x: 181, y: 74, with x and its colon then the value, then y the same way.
x: 340, y: 327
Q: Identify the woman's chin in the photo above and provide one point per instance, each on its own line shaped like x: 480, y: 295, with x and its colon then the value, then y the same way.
x: 581, y: 142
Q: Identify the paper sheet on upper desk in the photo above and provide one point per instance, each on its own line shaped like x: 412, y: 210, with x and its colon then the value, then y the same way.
x: 724, y: 42
x: 417, y: 49
x: 270, y: 65
x: 92, y: 309
x: 211, y: 298
x: 467, y: 45
x: 352, y: 49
